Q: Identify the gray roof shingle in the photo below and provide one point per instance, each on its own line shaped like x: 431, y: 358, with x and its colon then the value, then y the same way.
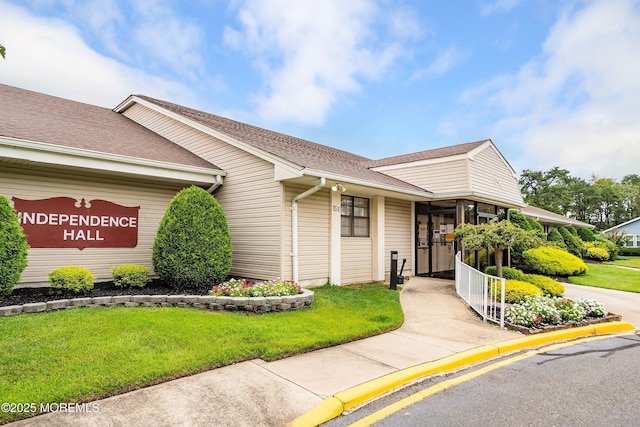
x: 37, y: 117
x: 436, y: 153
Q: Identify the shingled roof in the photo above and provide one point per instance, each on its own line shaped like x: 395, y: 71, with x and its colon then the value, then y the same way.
x: 37, y: 117
x: 306, y: 154
x: 427, y: 154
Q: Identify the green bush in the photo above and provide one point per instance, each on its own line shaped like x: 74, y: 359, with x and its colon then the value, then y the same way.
x: 574, y: 245
x: 537, y: 229
x: 507, y: 272
x: 13, y: 248
x: 554, y: 236
x: 519, y: 220
x: 552, y: 261
x: 130, y: 275
x: 547, y: 285
x: 611, y: 247
x: 630, y: 251
x: 73, y: 278
x: 515, y: 291
x: 193, y: 245
x: 586, y: 235
x: 571, y: 229
x: 595, y: 250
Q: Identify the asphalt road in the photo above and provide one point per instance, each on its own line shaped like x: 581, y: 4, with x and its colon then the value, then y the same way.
x: 593, y: 382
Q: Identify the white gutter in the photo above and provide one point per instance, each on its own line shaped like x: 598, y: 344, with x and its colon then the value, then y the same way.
x: 215, y: 185
x: 294, y: 225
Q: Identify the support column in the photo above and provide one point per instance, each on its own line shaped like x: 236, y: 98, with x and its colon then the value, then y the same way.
x: 335, y: 239
x: 378, y: 237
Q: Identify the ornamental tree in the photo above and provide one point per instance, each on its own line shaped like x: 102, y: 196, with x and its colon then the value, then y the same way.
x: 13, y: 248
x: 498, y: 235
x: 193, y: 245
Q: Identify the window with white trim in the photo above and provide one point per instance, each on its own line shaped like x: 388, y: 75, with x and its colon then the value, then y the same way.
x: 354, y: 216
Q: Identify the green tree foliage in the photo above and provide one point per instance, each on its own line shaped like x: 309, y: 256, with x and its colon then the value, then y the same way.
x: 538, y: 229
x: 603, y: 202
x: 13, y: 248
x: 497, y: 235
x: 574, y: 245
x: 3, y: 51
x: 193, y: 245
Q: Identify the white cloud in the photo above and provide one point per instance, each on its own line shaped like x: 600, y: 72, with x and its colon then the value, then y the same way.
x: 312, y: 56
x: 445, y: 61
x: 49, y: 56
x: 576, y: 105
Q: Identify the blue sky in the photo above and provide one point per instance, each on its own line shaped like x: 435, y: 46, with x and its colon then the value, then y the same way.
x: 551, y: 82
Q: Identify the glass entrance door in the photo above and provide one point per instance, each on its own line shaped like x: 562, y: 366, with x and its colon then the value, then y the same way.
x: 442, y: 253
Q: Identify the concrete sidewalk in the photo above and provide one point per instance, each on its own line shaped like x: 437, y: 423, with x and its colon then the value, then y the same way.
x: 256, y: 393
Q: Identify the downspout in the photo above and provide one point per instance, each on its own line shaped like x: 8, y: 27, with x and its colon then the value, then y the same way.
x: 294, y: 225
x: 215, y: 185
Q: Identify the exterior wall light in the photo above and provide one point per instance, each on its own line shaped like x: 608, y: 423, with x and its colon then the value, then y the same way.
x: 338, y: 187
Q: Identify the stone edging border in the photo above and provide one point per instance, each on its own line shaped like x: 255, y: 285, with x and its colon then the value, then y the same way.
x: 207, y: 302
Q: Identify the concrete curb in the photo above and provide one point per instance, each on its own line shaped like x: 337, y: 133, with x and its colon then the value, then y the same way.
x: 335, y: 405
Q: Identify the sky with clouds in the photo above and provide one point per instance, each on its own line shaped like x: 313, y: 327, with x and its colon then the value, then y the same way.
x: 551, y: 82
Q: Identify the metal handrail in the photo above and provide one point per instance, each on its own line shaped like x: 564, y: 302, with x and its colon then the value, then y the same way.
x: 479, y: 291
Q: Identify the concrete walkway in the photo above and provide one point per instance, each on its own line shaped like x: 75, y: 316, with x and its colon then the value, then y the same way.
x: 256, y: 393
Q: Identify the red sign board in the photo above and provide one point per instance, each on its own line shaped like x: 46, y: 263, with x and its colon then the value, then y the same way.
x: 63, y: 222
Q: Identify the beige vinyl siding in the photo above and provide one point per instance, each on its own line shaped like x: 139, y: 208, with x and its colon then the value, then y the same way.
x: 356, y: 260
x: 398, y: 234
x: 153, y: 200
x: 250, y: 196
x: 490, y: 175
x: 313, y: 234
x: 438, y: 177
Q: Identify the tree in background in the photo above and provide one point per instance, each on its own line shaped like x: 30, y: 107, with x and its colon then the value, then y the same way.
x: 3, y: 51
x: 603, y: 202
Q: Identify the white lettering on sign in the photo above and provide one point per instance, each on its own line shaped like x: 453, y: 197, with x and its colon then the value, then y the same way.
x: 39, y: 218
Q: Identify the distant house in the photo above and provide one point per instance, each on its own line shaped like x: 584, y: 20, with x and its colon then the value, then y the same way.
x: 550, y: 220
x: 631, y: 229
x: 91, y: 185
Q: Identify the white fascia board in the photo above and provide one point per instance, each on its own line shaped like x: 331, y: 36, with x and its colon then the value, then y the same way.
x: 483, y: 197
x: 560, y: 221
x: 615, y: 227
x: 39, y: 152
x: 271, y: 158
x: 416, y: 163
x: 365, y: 183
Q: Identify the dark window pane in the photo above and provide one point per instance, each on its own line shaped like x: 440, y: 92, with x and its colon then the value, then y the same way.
x: 361, y: 227
x: 346, y: 226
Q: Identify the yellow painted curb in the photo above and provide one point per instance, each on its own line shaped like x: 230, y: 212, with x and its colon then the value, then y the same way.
x: 334, y: 406
x: 329, y: 409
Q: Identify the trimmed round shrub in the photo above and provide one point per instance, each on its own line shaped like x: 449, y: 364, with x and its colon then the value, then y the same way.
x: 507, y: 273
x: 72, y: 278
x: 537, y: 229
x: 571, y: 229
x: 554, y: 236
x: 595, y: 250
x: 130, y: 276
x: 547, y: 285
x: 574, y: 245
x: 519, y: 220
x: 193, y: 245
x: 13, y: 248
x: 515, y: 291
x: 586, y: 235
x: 611, y: 246
x: 552, y: 261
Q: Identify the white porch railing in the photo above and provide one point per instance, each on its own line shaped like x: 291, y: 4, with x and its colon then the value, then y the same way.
x: 478, y: 290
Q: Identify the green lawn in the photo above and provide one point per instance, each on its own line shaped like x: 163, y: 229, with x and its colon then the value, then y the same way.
x: 633, y: 261
x: 610, y: 276
x: 88, y: 353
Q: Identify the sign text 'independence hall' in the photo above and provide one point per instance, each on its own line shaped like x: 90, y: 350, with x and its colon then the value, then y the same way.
x: 63, y: 222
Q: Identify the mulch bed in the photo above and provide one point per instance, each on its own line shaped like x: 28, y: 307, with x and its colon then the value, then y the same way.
x: 30, y: 295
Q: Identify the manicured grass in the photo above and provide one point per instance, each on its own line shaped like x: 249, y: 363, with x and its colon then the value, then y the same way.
x: 633, y: 261
x: 610, y: 277
x: 89, y: 353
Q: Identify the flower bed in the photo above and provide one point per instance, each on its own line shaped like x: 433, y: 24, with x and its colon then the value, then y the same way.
x: 245, y: 288
x: 536, y: 314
